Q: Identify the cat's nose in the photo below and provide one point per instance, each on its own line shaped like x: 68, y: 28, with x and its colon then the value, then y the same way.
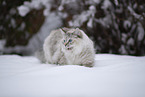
x: 65, y: 43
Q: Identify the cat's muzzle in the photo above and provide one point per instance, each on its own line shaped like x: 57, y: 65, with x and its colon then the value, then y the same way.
x: 70, y: 48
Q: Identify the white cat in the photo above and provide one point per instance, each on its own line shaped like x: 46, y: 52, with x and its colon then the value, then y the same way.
x: 68, y: 46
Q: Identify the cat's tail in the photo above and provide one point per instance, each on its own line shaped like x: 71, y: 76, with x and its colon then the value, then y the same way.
x: 40, y: 55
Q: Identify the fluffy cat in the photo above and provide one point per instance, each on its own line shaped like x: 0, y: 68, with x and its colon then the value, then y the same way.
x: 68, y: 46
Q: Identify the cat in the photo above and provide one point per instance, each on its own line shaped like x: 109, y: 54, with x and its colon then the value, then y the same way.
x: 66, y: 46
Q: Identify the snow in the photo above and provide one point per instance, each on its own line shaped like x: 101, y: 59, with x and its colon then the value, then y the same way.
x: 2, y: 43
x: 52, y: 21
x: 13, y: 23
x: 141, y: 32
x: 137, y: 16
x: 112, y: 76
x: 78, y: 20
x: 106, y: 4
x: 22, y: 26
x: 127, y: 24
x: 116, y: 2
x: 90, y: 23
x: 4, y: 3
x: 97, y: 1
x: 23, y: 10
x: 130, y: 41
x: 122, y: 49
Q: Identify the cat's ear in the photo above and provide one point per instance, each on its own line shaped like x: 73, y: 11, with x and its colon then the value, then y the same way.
x: 78, y: 33
x: 62, y: 31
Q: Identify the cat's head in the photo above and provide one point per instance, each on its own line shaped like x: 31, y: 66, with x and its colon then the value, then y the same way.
x: 71, y: 37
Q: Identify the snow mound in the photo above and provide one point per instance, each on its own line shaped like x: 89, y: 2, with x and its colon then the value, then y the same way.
x: 112, y: 76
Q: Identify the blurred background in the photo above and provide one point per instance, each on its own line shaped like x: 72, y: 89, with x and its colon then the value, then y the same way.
x: 115, y: 26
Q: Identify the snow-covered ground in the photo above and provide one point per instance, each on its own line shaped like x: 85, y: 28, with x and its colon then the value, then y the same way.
x: 112, y: 76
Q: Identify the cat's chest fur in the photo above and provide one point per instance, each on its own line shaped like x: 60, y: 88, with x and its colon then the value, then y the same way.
x: 72, y: 56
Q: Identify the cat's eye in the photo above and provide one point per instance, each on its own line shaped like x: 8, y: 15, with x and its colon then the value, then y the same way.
x: 70, y: 40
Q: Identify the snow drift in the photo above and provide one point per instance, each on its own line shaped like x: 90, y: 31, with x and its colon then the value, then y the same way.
x: 112, y: 76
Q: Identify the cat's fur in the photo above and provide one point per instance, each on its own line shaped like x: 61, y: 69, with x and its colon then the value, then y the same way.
x: 68, y: 46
